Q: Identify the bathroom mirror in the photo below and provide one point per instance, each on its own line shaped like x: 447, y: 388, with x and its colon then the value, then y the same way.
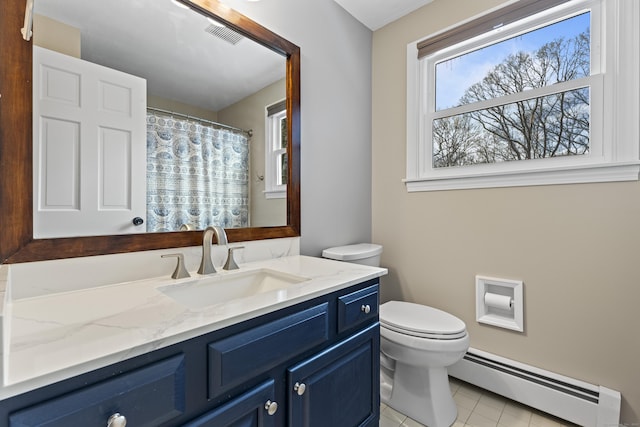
x: 16, y: 198
x: 203, y: 90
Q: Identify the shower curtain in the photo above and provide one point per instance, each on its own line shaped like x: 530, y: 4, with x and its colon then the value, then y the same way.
x: 197, y: 175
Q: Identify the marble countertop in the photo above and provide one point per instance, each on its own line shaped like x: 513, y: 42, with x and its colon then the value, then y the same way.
x: 58, y: 336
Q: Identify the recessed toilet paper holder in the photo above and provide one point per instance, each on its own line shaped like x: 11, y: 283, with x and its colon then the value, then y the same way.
x: 499, y: 302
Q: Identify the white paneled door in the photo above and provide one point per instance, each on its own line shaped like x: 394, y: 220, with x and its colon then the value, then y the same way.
x: 89, y: 148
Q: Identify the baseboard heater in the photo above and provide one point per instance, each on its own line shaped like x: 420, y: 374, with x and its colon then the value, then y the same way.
x: 581, y: 403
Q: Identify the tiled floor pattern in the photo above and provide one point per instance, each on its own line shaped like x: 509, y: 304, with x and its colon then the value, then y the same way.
x: 480, y: 408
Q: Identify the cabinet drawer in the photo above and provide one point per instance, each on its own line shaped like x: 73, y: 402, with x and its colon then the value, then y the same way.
x: 241, y: 357
x: 357, y: 307
x: 146, y: 397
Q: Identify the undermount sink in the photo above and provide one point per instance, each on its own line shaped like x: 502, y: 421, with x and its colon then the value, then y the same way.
x: 224, y: 287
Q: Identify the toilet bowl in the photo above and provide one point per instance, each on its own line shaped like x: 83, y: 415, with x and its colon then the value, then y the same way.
x: 417, y: 345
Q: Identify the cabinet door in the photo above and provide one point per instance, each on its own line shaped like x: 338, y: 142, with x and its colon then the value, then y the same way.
x: 339, y: 387
x: 254, y: 408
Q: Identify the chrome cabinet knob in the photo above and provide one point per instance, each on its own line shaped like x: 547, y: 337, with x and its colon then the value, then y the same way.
x: 366, y: 309
x: 299, y: 388
x: 271, y: 407
x: 117, y: 420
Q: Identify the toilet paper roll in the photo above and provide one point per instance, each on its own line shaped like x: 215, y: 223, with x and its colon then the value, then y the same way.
x: 504, y: 302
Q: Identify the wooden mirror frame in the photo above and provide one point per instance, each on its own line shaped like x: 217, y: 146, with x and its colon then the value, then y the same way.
x: 16, y: 189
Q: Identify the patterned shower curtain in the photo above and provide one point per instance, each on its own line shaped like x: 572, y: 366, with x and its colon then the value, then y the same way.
x: 197, y: 175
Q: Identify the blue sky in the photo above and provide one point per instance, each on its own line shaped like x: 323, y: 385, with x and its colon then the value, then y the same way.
x: 454, y: 76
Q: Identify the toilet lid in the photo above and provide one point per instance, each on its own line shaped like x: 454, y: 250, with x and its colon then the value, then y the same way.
x: 352, y: 252
x: 421, y: 321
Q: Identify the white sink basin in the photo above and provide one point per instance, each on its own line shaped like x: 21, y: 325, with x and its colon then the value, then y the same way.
x: 223, y: 287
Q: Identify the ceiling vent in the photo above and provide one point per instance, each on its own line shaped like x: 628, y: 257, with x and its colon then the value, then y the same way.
x: 224, y: 33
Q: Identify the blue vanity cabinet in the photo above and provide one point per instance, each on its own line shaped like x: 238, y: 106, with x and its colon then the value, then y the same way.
x: 315, y: 363
x: 339, y: 386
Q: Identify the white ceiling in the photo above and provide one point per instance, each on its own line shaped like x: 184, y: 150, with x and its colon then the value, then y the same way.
x: 168, y: 46
x: 376, y: 14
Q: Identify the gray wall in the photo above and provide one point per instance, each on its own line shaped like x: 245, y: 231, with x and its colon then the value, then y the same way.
x: 336, y: 116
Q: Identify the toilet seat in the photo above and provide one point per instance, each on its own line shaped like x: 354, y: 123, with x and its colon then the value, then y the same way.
x: 421, y: 321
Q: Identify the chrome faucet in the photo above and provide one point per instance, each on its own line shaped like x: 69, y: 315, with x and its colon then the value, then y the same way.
x: 206, y: 266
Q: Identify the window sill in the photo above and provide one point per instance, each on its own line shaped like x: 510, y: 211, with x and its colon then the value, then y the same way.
x: 275, y: 194
x: 611, y: 172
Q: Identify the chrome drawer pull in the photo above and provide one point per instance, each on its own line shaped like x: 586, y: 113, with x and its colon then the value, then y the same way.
x: 300, y: 388
x: 271, y: 407
x: 117, y: 420
x: 366, y: 309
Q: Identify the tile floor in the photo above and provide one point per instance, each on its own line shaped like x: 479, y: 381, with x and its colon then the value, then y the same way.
x: 480, y: 408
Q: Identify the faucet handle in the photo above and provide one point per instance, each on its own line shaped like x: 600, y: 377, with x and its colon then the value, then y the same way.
x: 231, y: 262
x: 180, y: 272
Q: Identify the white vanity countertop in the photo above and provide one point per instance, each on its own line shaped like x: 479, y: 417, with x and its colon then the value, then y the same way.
x: 50, y: 338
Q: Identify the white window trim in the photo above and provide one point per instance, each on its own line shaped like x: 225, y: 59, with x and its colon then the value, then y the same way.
x: 271, y: 189
x: 617, y: 149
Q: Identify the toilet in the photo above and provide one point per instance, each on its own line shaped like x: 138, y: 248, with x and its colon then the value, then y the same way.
x: 418, y: 343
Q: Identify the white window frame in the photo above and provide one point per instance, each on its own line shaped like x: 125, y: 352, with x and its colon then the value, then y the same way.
x: 615, y: 101
x: 272, y: 153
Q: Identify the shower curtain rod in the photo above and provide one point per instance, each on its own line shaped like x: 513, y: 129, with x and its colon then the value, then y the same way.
x: 189, y: 117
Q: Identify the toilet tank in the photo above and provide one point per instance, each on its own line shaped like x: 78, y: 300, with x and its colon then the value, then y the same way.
x: 361, y: 253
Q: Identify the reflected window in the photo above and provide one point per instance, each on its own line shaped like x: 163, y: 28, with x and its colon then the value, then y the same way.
x: 276, y: 151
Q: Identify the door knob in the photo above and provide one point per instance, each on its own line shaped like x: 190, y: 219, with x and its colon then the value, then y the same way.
x: 117, y: 420
x: 300, y: 388
x: 271, y: 407
x: 138, y: 221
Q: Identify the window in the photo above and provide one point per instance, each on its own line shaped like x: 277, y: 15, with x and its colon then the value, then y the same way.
x: 521, y: 96
x: 276, y: 151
